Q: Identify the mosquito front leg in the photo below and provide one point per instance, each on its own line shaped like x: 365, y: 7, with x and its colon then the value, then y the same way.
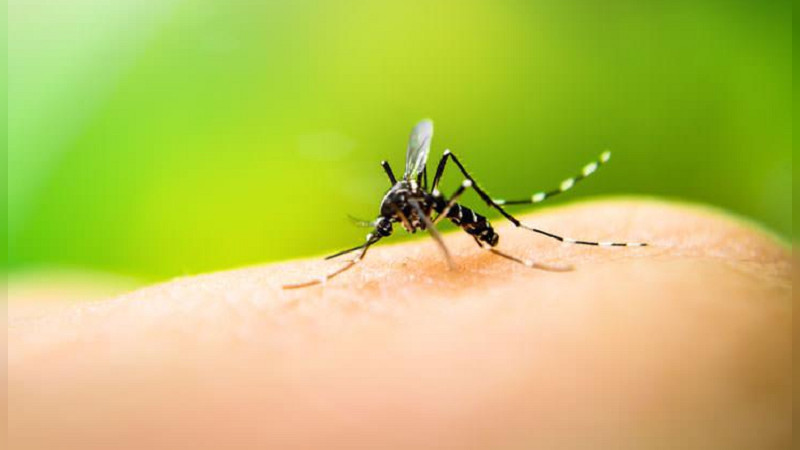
x: 371, y: 239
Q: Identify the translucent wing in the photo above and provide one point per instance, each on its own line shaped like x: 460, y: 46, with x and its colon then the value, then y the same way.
x: 419, y: 145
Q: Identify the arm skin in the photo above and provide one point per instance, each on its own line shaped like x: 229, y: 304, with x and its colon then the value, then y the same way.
x: 682, y: 344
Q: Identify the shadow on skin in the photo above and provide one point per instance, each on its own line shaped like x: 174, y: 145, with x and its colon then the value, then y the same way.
x: 683, y: 344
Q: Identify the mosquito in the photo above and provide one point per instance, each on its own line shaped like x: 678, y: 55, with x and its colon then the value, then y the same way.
x: 410, y: 202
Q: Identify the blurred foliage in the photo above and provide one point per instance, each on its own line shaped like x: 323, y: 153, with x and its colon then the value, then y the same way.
x: 163, y: 137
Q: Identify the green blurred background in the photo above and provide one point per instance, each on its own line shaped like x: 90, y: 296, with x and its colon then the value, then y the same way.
x: 156, y: 138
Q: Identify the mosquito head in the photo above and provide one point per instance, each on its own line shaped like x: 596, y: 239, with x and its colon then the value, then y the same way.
x: 383, y: 226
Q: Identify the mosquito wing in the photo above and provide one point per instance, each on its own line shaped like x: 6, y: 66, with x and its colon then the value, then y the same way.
x: 419, y: 145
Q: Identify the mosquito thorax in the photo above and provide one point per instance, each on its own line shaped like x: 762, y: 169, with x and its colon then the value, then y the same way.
x: 395, y: 198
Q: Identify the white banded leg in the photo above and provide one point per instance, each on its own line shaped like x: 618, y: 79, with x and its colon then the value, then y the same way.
x: 565, y: 185
x: 587, y: 170
x: 569, y: 240
x: 371, y: 239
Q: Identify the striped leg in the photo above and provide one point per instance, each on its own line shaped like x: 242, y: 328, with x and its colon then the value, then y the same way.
x: 569, y: 240
x: 449, y: 155
x: 565, y: 185
x: 371, y: 239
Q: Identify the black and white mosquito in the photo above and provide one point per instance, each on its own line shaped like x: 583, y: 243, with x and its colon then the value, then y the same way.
x: 412, y: 203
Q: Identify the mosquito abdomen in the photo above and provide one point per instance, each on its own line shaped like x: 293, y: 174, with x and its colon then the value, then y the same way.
x: 473, y: 223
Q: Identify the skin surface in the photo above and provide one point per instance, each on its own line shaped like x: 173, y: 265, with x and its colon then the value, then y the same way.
x: 683, y: 344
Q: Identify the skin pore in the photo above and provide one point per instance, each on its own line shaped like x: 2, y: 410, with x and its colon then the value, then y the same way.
x: 685, y: 343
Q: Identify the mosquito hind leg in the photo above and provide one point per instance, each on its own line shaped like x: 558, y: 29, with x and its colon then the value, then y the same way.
x: 484, y: 196
x: 564, y: 186
x: 489, y: 201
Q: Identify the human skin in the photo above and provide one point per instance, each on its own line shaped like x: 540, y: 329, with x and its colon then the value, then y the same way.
x: 685, y: 344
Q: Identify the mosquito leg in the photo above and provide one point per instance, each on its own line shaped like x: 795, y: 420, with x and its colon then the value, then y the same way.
x: 524, y: 262
x: 388, y: 169
x: 569, y: 240
x: 440, y: 170
x: 486, y: 198
x: 565, y: 185
x: 403, y: 218
x: 371, y: 239
x: 344, y: 252
x: 466, y: 184
x: 434, y: 232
